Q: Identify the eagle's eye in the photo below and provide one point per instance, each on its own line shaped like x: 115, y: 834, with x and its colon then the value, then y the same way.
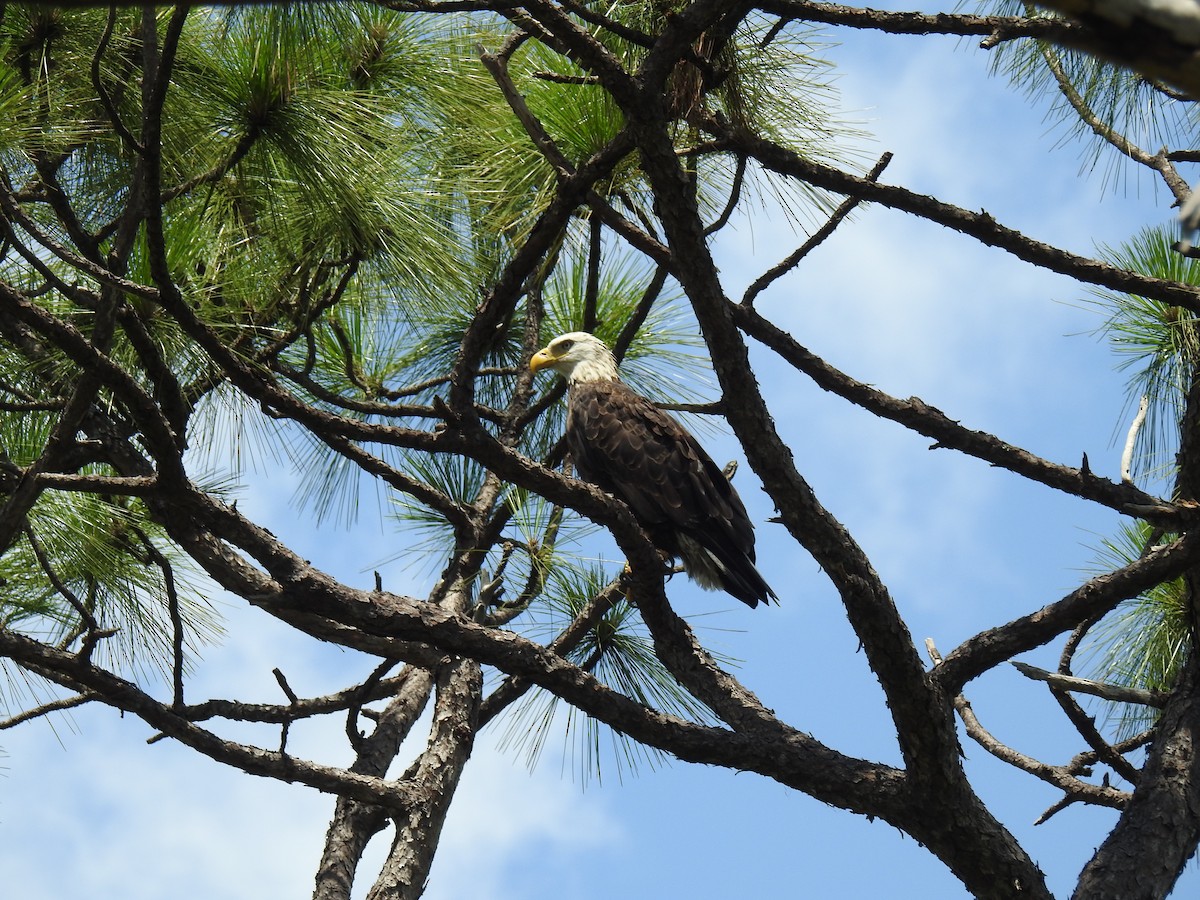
x: 564, y: 346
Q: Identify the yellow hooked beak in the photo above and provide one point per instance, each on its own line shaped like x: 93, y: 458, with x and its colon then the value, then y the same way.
x: 543, y: 359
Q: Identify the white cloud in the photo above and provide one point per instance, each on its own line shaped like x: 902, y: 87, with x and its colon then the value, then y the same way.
x: 510, y: 827
x: 94, y: 810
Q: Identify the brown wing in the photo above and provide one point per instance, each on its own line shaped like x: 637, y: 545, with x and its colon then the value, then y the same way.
x: 628, y: 446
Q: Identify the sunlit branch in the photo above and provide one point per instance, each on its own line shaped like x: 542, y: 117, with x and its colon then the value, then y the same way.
x: 116, y: 485
x: 1114, y: 692
x: 1131, y: 440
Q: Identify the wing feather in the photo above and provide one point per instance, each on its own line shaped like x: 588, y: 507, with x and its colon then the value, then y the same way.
x: 631, y: 448
x: 622, y: 442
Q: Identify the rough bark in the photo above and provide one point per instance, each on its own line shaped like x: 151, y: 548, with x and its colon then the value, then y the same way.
x: 1159, y: 830
x: 435, y: 778
x: 140, y: 426
x: 355, y: 823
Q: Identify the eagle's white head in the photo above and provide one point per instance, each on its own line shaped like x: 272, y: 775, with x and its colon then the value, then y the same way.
x: 577, y: 356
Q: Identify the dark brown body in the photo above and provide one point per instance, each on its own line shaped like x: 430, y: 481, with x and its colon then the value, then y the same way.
x: 626, y: 445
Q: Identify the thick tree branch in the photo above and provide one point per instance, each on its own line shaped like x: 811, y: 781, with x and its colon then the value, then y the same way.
x: 922, y: 418
x: 74, y: 671
x: 1158, y: 832
x: 1097, y: 596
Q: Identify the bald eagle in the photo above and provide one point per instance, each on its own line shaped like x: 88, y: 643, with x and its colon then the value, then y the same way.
x: 624, y: 444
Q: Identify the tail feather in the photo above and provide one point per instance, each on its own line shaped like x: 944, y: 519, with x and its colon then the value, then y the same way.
x: 724, y: 569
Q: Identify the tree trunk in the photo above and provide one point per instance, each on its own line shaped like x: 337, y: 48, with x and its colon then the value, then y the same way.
x: 1157, y: 834
x: 436, y: 775
x: 355, y: 823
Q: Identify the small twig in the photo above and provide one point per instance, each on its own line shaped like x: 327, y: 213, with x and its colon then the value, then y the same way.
x: 283, y: 683
x: 1082, y: 762
x: 591, y: 296
x: 934, y: 654
x: 92, y: 639
x: 173, y: 610
x: 491, y: 589
x: 110, y: 108
x: 349, y: 367
x: 57, y: 583
x: 293, y: 699
x: 355, y: 736
x: 634, y: 323
x: 47, y: 708
x: 1073, y: 642
x: 1063, y: 802
x: 818, y: 237
x: 773, y: 33
x: 716, y: 408
x: 735, y: 194
x: 1086, y: 726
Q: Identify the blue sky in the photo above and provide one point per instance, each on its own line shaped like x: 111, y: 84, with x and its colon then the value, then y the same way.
x: 87, y: 808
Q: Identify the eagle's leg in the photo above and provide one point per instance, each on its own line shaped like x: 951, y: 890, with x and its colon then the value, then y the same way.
x: 670, y: 567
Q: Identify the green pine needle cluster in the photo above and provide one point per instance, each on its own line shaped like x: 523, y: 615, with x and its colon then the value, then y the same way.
x: 1144, y: 642
x: 338, y: 183
x: 1156, y: 343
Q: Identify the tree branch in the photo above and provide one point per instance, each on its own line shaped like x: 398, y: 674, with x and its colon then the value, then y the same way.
x: 1098, y: 595
x: 1114, y: 692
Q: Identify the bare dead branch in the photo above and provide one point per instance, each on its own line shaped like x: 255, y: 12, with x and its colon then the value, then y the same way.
x: 1131, y: 440
x: 1081, y: 791
x: 1114, y: 692
x: 818, y: 237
